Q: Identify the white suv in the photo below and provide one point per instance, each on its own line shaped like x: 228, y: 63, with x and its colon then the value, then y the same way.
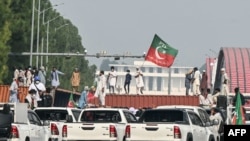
x: 201, y: 112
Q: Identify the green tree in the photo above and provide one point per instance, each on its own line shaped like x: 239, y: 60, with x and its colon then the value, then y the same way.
x: 5, y: 33
x: 15, y: 29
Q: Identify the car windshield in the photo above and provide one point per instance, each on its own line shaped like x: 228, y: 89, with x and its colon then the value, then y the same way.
x: 101, y: 116
x: 164, y: 116
x: 52, y: 115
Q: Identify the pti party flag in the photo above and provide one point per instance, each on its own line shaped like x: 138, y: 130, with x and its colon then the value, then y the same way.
x: 239, y: 116
x: 71, y: 102
x: 161, y: 53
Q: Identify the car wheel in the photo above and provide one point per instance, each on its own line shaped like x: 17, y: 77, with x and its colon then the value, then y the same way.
x: 27, y: 139
x: 211, y: 138
x: 189, y: 137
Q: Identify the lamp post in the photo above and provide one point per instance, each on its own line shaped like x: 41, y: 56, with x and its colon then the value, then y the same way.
x: 43, y: 12
x: 60, y: 27
x: 38, y: 29
x: 47, y: 43
x: 47, y: 47
x: 32, y: 32
x: 48, y: 9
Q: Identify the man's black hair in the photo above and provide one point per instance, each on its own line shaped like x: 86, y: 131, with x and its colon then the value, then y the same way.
x: 217, y: 89
x: 236, y: 90
x: 102, y: 72
x: 32, y: 91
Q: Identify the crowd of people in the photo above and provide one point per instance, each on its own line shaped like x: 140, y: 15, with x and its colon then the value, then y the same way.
x: 35, y: 79
x: 197, y: 83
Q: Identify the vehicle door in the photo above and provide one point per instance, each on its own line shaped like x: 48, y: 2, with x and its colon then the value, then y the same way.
x: 205, y: 118
x: 36, y: 129
x: 199, y: 130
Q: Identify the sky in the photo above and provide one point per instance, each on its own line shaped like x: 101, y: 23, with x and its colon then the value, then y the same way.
x: 196, y: 28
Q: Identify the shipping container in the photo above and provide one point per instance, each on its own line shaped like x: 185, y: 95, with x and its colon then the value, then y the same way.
x: 119, y: 100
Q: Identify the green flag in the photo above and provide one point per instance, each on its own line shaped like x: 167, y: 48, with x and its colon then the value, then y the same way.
x: 238, y: 118
x: 71, y: 102
x: 161, y: 53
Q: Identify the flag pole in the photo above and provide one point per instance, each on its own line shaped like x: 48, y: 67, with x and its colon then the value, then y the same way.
x: 142, y: 63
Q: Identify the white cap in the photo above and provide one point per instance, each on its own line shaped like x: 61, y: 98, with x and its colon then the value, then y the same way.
x: 204, y: 71
x: 42, y: 67
x: 86, y: 88
x: 222, y: 69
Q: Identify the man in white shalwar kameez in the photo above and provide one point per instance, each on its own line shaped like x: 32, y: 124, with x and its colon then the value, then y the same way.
x: 196, y: 83
x: 55, y: 77
x: 224, y: 82
x: 112, y: 80
x: 139, y: 81
x: 100, y: 91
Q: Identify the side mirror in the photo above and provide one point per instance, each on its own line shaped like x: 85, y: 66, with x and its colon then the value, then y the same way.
x: 46, y: 123
x: 215, y: 122
x: 207, y: 124
x: 69, y: 118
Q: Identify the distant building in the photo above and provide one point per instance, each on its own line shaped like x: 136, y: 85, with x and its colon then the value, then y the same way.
x: 157, y: 80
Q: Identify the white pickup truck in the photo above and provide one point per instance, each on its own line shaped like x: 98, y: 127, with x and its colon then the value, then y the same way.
x: 168, y: 125
x: 102, y: 124
x: 26, y: 125
x: 58, y: 115
x: 202, y: 113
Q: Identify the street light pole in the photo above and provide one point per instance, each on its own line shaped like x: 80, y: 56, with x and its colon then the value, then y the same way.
x: 47, y: 48
x: 38, y: 28
x: 60, y: 27
x: 32, y: 32
x: 42, y: 52
x: 44, y: 10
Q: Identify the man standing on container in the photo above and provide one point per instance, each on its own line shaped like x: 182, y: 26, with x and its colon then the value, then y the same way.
x: 42, y: 75
x: 139, y: 81
x: 112, y: 80
x: 13, y: 91
x: 203, y: 85
x: 188, y: 78
x: 101, y: 86
x: 196, y: 82
x: 75, y: 80
x: 55, y: 77
x: 128, y: 78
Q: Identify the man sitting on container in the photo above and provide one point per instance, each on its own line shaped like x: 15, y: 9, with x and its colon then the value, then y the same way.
x: 40, y: 90
x: 31, y: 99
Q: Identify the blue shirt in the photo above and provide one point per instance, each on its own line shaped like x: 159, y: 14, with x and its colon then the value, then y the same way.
x: 83, y: 99
x: 128, y: 78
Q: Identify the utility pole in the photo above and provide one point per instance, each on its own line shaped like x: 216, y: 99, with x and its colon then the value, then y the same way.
x: 47, y: 47
x: 38, y: 29
x: 32, y: 32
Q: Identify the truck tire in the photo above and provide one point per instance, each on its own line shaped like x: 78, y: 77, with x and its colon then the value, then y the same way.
x: 27, y: 139
x: 189, y: 137
x: 211, y: 138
